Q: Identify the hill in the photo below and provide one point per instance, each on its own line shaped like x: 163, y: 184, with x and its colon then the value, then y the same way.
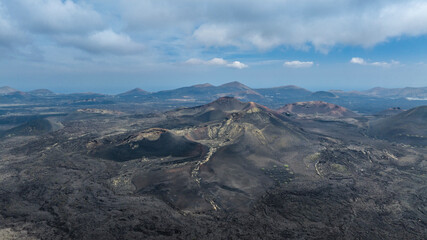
x: 390, y: 112
x: 407, y: 92
x: 408, y: 127
x: 138, y: 100
x: 33, y: 127
x: 323, y: 95
x: 226, y: 169
x: 208, y: 92
x: 134, y: 93
x: 316, y: 108
x: 224, y: 141
x: 42, y: 92
x: 149, y: 143
x: 6, y: 90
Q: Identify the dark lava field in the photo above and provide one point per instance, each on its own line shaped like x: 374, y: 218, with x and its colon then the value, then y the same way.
x: 228, y: 169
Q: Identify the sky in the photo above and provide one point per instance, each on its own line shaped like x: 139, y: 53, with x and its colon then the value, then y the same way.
x: 111, y: 46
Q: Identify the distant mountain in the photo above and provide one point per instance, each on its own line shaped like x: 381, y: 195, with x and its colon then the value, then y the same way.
x: 408, y: 92
x: 390, y: 112
x: 203, y: 92
x: 136, y: 92
x: 208, y: 92
x: 323, y: 94
x: 237, y: 90
x: 15, y: 96
x: 203, y: 85
x: 284, y: 92
x: 368, y: 102
x: 407, y: 127
x: 7, y: 90
x: 316, y: 108
x: 10, y: 95
x: 42, y: 93
x: 233, y: 87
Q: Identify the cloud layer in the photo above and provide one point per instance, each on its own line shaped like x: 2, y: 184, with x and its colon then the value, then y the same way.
x: 361, y: 61
x: 172, y: 31
x: 296, y: 23
x: 55, y: 16
x: 106, y: 41
x: 9, y: 34
x: 224, y: 23
x: 298, y: 64
x: 218, y: 62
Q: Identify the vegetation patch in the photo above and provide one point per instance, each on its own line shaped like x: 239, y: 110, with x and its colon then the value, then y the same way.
x: 280, y: 174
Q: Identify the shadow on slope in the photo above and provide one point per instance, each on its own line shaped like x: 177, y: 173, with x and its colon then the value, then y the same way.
x: 34, y: 127
x: 409, y: 127
x: 148, y: 143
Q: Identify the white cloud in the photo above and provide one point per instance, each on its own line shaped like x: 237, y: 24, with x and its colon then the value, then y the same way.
x: 56, y: 16
x: 106, y: 41
x: 217, y: 61
x: 298, y: 64
x: 9, y: 34
x: 380, y: 64
x: 213, y: 35
x: 237, y: 64
x: 357, y: 60
x: 361, y: 61
x: 195, y: 61
x: 265, y: 25
x: 171, y: 29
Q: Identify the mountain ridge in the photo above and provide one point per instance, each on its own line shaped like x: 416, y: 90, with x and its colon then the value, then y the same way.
x: 316, y: 108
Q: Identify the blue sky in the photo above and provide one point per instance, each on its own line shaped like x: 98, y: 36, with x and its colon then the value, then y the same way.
x: 111, y: 46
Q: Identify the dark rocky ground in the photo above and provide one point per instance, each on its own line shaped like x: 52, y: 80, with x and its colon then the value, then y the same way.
x: 228, y: 170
